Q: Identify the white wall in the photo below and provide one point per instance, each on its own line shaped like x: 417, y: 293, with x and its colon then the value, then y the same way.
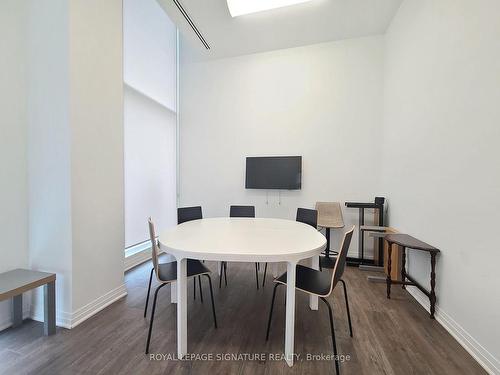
x: 150, y: 119
x: 150, y: 51
x: 73, y: 150
x: 442, y: 136
x: 13, y: 129
x: 323, y: 102
x: 150, y: 166
x: 96, y: 120
x: 50, y: 235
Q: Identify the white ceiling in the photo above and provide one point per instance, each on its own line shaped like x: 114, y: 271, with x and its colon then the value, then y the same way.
x: 308, y: 23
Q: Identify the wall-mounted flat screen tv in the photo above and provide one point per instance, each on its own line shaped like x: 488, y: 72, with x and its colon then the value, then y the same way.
x: 274, y: 172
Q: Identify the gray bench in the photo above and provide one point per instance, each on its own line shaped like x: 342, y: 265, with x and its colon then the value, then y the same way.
x: 14, y: 283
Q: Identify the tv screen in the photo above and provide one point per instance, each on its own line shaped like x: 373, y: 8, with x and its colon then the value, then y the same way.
x: 274, y: 172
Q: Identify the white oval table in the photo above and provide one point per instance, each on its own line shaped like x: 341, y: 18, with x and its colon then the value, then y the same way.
x: 242, y: 240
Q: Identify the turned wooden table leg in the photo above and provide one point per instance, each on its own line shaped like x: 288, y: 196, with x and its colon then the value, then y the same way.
x: 403, y: 266
x: 389, y: 261
x: 432, y: 296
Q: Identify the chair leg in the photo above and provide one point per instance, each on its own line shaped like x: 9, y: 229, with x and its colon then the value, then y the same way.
x: 212, y: 297
x: 271, y: 311
x: 225, y: 273
x: 220, y: 274
x: 264, y: 278
x: 201, y: 291
x: 333, y: 335
x: 149, y: 289
x: 320, y: 268
x: 257, y: 274
x: 152, y: 316
x: 347, y: 307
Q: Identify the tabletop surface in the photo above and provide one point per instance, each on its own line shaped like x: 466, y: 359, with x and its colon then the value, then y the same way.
x: 243, y: 239
x: 409, y: 241
x: 20, y: 279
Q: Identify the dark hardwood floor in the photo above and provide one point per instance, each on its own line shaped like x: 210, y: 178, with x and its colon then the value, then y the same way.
x: 390, y: 336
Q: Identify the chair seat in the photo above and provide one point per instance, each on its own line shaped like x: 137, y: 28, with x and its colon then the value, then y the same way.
x: 309, y: 280
x: 168, y: 271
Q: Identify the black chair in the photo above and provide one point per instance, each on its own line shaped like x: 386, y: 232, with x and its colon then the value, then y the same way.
x: 166, y: 273
x: 320, y: 284
x: 306, y: 216
x: 240, y: 211
x: 183, y: 214
x: 188, y: 214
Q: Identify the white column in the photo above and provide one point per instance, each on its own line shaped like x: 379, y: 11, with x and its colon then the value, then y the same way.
x: 313, y: 300
x: 290, y: 313
x: 75, y: 143
x: 181, y: 307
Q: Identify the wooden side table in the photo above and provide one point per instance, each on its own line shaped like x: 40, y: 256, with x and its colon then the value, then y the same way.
x: 14, y: 283
x: 406, y: 241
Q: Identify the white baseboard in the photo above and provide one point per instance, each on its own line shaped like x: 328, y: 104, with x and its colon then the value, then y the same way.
x: 134, y: 260
x: 143, y: 256
x: 68, y: 320
x: 475, y: 349
x: 97, y: 305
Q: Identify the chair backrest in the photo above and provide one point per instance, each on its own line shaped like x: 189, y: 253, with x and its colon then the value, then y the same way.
x: 329, y: 215
x: 339, y: 268
x: 154, y: 246
x: 188, y: 213
x: 242, y: 211
x: 307, y: 216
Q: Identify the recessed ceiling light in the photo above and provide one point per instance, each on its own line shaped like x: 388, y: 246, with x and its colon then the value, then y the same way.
x: 241, y: 7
